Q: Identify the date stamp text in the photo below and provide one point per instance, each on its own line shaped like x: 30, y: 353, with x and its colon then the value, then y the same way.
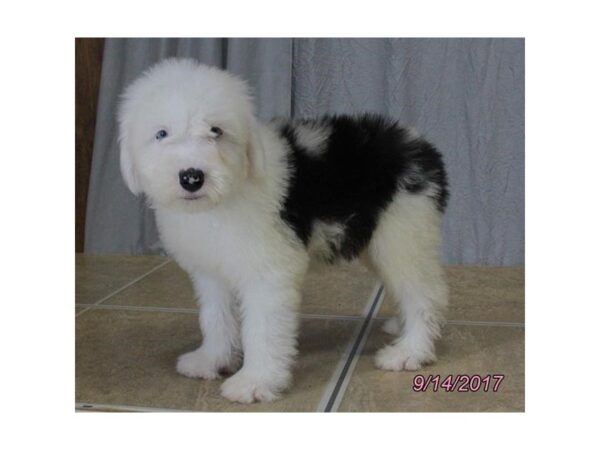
x: 457, y: 383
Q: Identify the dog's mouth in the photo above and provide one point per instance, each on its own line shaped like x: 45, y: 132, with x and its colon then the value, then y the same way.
x: 190, y: 198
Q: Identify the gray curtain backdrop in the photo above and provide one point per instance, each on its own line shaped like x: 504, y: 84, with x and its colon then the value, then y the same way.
x: 464, y: 95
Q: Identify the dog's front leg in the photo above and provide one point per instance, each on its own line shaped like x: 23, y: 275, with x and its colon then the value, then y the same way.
x: 269, y: 328
x: 220, y: 349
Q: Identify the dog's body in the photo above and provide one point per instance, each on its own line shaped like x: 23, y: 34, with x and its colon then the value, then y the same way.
x: 242, y: 207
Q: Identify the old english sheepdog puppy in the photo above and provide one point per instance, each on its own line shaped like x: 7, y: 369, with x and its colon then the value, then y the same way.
x: 242, y: 206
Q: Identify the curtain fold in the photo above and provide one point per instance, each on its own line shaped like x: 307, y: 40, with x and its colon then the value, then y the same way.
x: 464, y: 95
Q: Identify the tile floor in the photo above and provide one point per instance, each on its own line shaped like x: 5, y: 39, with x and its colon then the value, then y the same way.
x: 135, y: 315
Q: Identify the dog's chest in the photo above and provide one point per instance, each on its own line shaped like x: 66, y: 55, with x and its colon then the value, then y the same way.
x: 224, y: 244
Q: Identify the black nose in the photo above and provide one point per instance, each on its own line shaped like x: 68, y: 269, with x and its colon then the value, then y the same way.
x: 191, y: 179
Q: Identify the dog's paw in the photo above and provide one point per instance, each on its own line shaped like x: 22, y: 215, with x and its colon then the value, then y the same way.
x: 392, y: 326
x: 247, y: 388
x: 398, y: 357
x: 198, y: 364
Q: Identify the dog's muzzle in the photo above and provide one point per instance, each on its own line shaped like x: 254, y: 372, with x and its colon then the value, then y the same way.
x: 191, y: 179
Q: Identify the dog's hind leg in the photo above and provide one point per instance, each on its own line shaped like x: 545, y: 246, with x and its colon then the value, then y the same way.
x: 404, y: 251
x: 220, y: 349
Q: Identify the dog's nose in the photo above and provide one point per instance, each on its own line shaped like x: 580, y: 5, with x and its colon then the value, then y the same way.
x: 191, y: 179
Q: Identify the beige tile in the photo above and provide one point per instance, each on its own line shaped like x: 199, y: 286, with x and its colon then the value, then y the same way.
x: 128, y: 358
x: 469, y: 350
x: 341, y: 290
x: 98, y: 276
x: 479, y: 293
x: 167, y: 287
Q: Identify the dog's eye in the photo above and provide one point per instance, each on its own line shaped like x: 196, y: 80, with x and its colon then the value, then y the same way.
x: 161, y: 135
x: 216, y: 131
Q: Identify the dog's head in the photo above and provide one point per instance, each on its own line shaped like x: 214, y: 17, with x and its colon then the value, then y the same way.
x: 188, y: 135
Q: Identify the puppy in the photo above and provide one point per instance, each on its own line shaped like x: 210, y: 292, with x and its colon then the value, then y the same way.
x: 242, y: 207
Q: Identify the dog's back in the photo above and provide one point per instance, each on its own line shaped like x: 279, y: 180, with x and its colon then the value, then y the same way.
x: 344, y: 172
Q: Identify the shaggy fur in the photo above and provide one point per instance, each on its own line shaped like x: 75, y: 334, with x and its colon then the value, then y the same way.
x: 350, y: 174
x: 243, y: 206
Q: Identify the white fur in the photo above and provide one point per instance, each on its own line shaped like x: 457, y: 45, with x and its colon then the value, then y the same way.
x: 412, y: 134
x: 323, y: 235
x: 405, y: 253
x: 312, y: 138
x: 245, y: 262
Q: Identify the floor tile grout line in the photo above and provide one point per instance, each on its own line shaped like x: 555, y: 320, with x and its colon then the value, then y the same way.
x: 168, y: 309
x: 122, y: 288
x: 336, y: 400
x: 483, y: 323
x: 101, y: 407
x: 342, y: 361
x: 333, y: 386
x: 372, y: 298
x: 344, y: 384
x: 196, y: 311
x: 141, y: 308
x: 476, y: 323
x: 330, y: 317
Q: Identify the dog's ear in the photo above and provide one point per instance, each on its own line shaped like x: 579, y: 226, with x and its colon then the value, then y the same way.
x: 256, y: 149
x: 127, y: 169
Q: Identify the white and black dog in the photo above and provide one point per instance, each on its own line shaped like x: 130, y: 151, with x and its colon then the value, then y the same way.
x: 242, y: 207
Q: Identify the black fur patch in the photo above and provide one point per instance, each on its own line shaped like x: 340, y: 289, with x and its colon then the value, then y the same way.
x: 353, y: 178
